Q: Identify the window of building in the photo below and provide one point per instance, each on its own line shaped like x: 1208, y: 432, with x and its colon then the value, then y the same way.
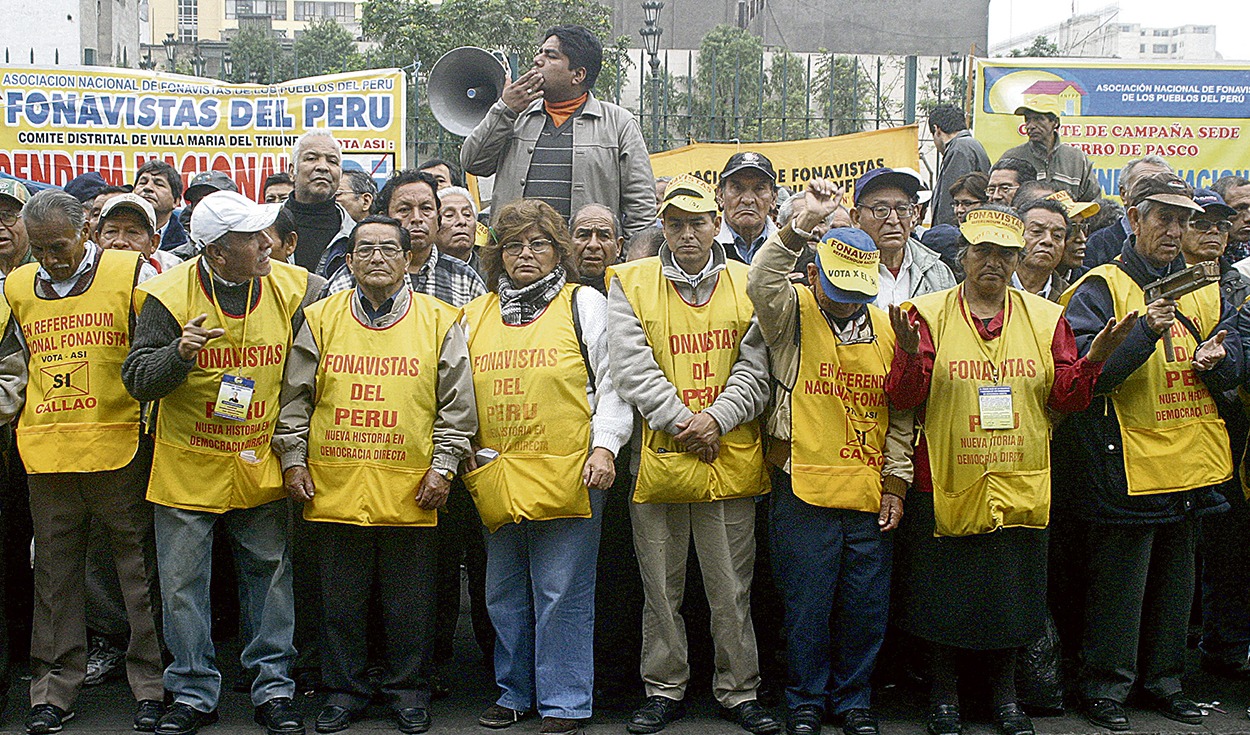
x: 1160, y: 48
x: 1202, y: 29
x: 275, y: 9
x: 1143, y: 48
x: 343, y: 12
x: 188, y: 21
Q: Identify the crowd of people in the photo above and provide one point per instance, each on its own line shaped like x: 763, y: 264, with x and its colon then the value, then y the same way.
x: 1012, y: 430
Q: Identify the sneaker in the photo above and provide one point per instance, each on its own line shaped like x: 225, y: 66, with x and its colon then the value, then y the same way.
x: 103, y: 661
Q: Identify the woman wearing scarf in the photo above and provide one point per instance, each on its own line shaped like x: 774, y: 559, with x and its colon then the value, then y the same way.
x: 550, y: 427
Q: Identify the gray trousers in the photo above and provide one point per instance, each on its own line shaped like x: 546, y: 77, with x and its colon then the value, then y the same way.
x: 1141, y: 588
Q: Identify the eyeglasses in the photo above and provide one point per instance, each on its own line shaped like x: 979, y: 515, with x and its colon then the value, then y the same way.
x: 1001, y: 189
x: 8, y: 219
x: 537, y: 247
x: 882, y: 212
x: 1205, y: 225
x: 388, y: 252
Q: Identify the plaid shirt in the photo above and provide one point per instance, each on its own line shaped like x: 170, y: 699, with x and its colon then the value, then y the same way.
x: 447, y: 279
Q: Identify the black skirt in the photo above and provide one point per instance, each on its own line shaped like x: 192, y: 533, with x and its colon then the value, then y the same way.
x: 979, y: 592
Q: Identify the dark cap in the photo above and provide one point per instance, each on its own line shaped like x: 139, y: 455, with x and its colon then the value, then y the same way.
x: 1164, y: 188
x: 84, y: 188
x: 1212, y: 203
x: 206, y: 183
x: 749, y: 159
x: 879, y: 177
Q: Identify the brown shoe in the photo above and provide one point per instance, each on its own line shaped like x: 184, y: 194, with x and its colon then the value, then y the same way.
x: 560, y: 726
x: 497, y: 717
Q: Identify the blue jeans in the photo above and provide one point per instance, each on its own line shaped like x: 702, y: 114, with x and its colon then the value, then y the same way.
x: 540, y: 592
x: 830, y: 564
x: 260, y: 540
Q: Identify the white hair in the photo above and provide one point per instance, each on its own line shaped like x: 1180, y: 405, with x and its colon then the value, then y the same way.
x: 315, y: 133
x: 458, y: 191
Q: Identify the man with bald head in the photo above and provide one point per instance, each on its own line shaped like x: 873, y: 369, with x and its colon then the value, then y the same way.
x: 597, y: 243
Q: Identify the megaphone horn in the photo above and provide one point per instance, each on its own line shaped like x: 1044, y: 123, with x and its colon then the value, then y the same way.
x: 463, y: 84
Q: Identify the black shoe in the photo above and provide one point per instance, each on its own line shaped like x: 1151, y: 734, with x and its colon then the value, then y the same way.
x: 1011, y: 720
x: 655, y: 714
x: 559, y: 726
x: 183, y: 719
x: 147, y: 714
x: 333, y: 718
x: 280, y: 717
x: 944, y: 719
x: 752, y: 717
x: 46, y: 718
x: 859, y: 722
x: 497, y: 716
x: 1177, y: 707
x: 413, y: 719
x: 804, y: 720
x: 1106, y: 713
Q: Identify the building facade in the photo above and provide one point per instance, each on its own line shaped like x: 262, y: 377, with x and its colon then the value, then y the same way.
x: 214, y: 20
x: 1103, y: 34
x: 71, y: 32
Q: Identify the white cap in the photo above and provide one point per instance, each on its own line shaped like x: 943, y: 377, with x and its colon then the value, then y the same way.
x: 228, y: 211
x: 923, y: 195
x: 132, y: 202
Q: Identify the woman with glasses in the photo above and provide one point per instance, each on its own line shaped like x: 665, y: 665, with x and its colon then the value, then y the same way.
x: 968, y: 192
x: 985, y: 363
x: 550, y: 425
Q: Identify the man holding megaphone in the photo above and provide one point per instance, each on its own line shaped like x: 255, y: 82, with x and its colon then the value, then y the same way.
x: 549, y: 138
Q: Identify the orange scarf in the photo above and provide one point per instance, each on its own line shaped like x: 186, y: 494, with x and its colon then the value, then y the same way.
x: 562, y: 111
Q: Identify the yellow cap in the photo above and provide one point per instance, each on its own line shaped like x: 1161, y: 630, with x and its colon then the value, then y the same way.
x: 994, y: 227
x: 689, y: 193
x: 1076, y: 210
x: 848, y: 261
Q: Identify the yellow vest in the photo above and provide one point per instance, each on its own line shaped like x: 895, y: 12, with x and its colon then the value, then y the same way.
x: 695, y: 347
x: 983, y: 479
x: 838, y: 412
x: 202, y: 462
x: 1170, y: 428
x: 371, y: 436
x: 530, y: 383
x: 78, y: 416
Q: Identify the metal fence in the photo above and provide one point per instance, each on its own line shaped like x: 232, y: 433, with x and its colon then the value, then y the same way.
x: 773, y: 96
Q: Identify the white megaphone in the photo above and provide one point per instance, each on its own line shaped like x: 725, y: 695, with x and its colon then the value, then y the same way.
x: 463, y: 84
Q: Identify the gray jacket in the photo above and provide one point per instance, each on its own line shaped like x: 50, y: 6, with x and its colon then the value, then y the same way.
x: 610, y: 161
x: 964, y: 154
x: 927, y: 271
x: 1065, y: 166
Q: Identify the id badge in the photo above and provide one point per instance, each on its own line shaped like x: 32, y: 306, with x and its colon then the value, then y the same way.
x: 996, y: 409
x: 233, y: 397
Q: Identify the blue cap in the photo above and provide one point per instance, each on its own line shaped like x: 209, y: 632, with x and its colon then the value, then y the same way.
x: 849, y: 256
x: 1212, y: 203
x: 879, y: 177
x: 85, y: 187
x: 941, y: 239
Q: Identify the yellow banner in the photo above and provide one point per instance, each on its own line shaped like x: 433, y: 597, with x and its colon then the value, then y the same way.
x: 1194, y: 115
x: 842, y: 158
x: 62, y: 122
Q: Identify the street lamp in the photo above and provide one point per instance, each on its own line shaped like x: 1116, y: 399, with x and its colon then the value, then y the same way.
x: 956, y: 63
x: 146, y: 62
x: 651, y: 33
x: 171, y: 50
x: 227, y: 64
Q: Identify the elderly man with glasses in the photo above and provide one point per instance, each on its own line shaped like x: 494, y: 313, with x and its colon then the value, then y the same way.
x: 885, y: 207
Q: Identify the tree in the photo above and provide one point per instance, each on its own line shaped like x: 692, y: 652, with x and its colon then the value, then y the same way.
x: 325, y: 47
x: 728, y: 79
x: 257, y: 56
x: 1041, y: 46
x: 846, y: 96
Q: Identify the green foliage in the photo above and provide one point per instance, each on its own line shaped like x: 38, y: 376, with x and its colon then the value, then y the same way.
x: 935, y: 90
x: 325, y: 47
x: 1041, y: 46
x: 257, y: 56
x: 845, y: 95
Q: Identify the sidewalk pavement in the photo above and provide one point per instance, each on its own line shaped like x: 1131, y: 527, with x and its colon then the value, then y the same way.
x: 107, y: 709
